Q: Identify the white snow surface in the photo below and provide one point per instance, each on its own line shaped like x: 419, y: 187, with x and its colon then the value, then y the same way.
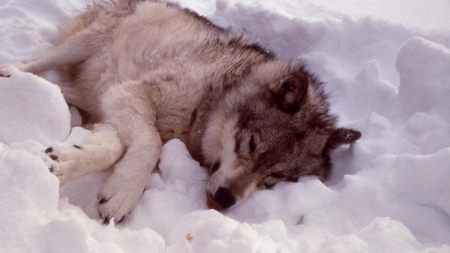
x: 386, y: 65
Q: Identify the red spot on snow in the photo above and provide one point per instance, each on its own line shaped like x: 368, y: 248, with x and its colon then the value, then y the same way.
x: 189, y: 237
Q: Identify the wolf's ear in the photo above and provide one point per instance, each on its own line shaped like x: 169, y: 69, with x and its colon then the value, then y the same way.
x: 342, y: 136
x: 290, y: 91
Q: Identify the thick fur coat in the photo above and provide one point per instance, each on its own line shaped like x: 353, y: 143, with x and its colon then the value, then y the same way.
x: 146, y: 72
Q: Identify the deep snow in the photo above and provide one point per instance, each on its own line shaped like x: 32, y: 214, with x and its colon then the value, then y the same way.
x: 387, y: 69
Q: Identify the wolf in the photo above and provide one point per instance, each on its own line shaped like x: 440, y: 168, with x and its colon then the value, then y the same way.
x: 145, y: 72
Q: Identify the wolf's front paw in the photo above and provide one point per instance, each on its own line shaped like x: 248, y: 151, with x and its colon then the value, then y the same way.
x: 118, y: 196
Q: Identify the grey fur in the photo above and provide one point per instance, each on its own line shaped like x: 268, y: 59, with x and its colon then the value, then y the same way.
x: 146, y: 72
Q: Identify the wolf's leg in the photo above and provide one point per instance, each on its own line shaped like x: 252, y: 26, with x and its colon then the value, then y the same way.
x: 129, y: 109
x: 72, y: 94
x: 74, y: 50
x: 98, y: 152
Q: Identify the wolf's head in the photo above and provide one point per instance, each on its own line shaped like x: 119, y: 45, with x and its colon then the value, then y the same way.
x: 272, y: 127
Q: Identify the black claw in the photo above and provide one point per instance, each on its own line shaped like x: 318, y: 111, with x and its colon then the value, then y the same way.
x: 106, y: 220
x: 49, y: 150
x: 76, y: 146
x: 123, y: 217
x: 101, y: 199
x: 51, y: 169
x: 54, y: 157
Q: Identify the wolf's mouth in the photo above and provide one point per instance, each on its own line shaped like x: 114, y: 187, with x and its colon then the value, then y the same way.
x: 211, y: 204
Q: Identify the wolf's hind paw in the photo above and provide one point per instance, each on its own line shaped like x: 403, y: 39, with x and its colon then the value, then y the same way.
x: 4, y: 70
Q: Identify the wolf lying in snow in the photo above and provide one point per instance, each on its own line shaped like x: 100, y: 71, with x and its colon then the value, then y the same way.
x: 146, y: 72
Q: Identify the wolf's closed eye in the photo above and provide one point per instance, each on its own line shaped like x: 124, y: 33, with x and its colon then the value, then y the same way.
x: 242, y: 149
x: 214, y: 168
x: 272, y: 179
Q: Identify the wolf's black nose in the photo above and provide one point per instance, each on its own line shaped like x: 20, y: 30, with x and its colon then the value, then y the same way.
x: 224, y: 198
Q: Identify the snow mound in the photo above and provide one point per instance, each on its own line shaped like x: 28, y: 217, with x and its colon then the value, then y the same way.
x: 34, y: 116
x: 424, y: 76
x: 32, y: 108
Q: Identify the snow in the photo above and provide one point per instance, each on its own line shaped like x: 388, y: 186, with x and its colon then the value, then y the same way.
x: 33, y: 102
x: 386, y: 67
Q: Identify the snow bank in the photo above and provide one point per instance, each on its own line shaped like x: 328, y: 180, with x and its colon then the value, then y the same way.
x: 31, y: 108
x: 424, y: 80
x: 389, y: 192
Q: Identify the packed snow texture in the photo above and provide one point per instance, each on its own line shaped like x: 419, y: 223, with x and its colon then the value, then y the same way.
x: 386, y: 65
